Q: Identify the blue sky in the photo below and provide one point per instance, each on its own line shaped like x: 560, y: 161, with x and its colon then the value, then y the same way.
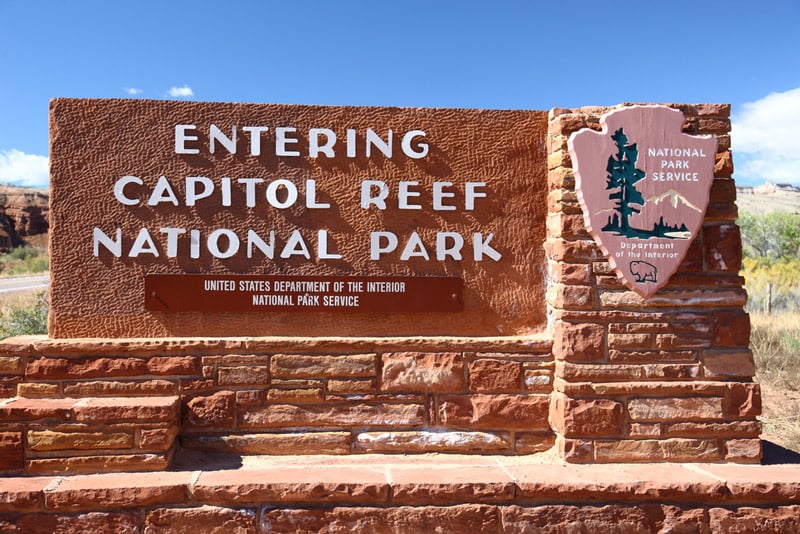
x: 507, y: 55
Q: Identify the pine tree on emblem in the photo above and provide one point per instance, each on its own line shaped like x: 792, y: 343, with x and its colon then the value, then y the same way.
x: 622, y: 175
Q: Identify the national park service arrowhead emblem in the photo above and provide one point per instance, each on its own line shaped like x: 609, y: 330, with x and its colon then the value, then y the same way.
x: 643, y: 186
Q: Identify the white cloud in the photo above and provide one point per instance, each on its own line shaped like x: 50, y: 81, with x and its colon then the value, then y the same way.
x: 19, y: 168
x: 180, y: 92
x: 133, y: 91
x: 766, y: 141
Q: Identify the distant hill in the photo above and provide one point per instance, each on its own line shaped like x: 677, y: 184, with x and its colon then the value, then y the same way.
x: 769, y: 197
x: 24, y: 216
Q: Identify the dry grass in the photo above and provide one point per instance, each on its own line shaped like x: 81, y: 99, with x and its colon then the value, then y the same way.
x: 775, y: 341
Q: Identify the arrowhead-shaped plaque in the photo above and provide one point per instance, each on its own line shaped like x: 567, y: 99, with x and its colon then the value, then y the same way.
x: 644, y: 186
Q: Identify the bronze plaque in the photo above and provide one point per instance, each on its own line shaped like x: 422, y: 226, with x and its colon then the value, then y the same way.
x: 332, y: 294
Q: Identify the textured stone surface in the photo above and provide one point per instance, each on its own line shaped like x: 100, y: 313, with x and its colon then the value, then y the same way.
x: 299, y: 443
x: 287, y: 415
x: 411, y: 441
x: 494, y: 376
x: 206, y: 519
x: 301, y: 365
x: 102, y: 296
x: 522, y: 412
x: 463, y: 518
x: 423, y: 372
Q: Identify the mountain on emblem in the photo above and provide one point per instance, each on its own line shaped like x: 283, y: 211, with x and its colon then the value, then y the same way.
x: 643, y: 186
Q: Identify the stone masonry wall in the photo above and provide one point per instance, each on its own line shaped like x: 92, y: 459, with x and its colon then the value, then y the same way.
x: 667, y: 378
x: 267, y: 396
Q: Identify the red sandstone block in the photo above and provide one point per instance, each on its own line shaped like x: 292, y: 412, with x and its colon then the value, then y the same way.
x: 96, y: 523
x: 559, y: 158
x: 12, y: 365
x: 583, y: 342
x: 532, y: 443
x: 735, y: 429
x: 500, y: 412
x: 579, y: 451
x: 202, y: 519
x: 710, y: 125
x: 563, y: 201
x: 723, y: 247
x: 148, y: 409
x: 560, y: 178
x: 731, y: 329
x: 762, y: 484
x: 630, y: 341
x: 173, y: 365
x: 663, y: 450
x: 572, y: 297
x: 273, y: 443
x: 676, y: 409
x: 22, y: 409
x: 568, y: 518
x: 157, y: 439
x: 495, y: 376
x: 402, y: 519
x: 723, y: 168
x: 644, y: 430
x: 693, y: 261
x: 723, y: 190
x: 275, y: 485
x: 302, y: 365
x: 743, y: 400
x: 9, y: 386
x: 566, y: 124
x: 21, y: 494
x: 104, y: 463
x: 580, y: 418
x: 38, y: 390
x: 119, y: 490
x: 117, y: 388
x: 350, y: 414
x: 681, y: 342
x: 11, y: 451
x: 243, y: 375
x: 743, y: 450
x: 568, y: 226
x: 298, y: 395
x: 751, y: 520
x: 569, y: 273
x: 581, y: 251
x: 423, y: 372
x: 51, y: 440
x: 575, y: 372
x: 726, y: 364
x: 354, y: 386
x: 426, y: 442
x: 248, y: 397
x: 454, y: 484
x: 215, y: 410
x: 81, y: 368
x: 713, y: 110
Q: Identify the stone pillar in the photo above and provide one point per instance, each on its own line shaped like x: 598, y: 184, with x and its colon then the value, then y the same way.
x: 669, y: 378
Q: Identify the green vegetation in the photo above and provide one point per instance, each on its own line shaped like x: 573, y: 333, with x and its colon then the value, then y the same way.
x: 26, y: 318
x: 23, y: 260
x: 771, y: 267
x: 771, y: 263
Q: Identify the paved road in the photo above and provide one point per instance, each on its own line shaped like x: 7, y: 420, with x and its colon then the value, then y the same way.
x: 24, y: 283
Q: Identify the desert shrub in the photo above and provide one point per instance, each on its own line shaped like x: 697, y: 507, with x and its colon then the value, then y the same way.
x: 25, y: 320
x: 24, y: 260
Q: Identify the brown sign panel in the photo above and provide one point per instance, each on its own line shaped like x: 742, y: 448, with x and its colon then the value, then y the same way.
x: 143, y: 188
x: 330, y: 294
x: 643, y: 186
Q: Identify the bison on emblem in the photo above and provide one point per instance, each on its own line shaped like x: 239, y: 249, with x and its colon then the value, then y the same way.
x: 644, y: 272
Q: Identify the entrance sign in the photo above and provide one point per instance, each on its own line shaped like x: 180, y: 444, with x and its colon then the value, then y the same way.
x: 152, y: 199
x: 643, y: 186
